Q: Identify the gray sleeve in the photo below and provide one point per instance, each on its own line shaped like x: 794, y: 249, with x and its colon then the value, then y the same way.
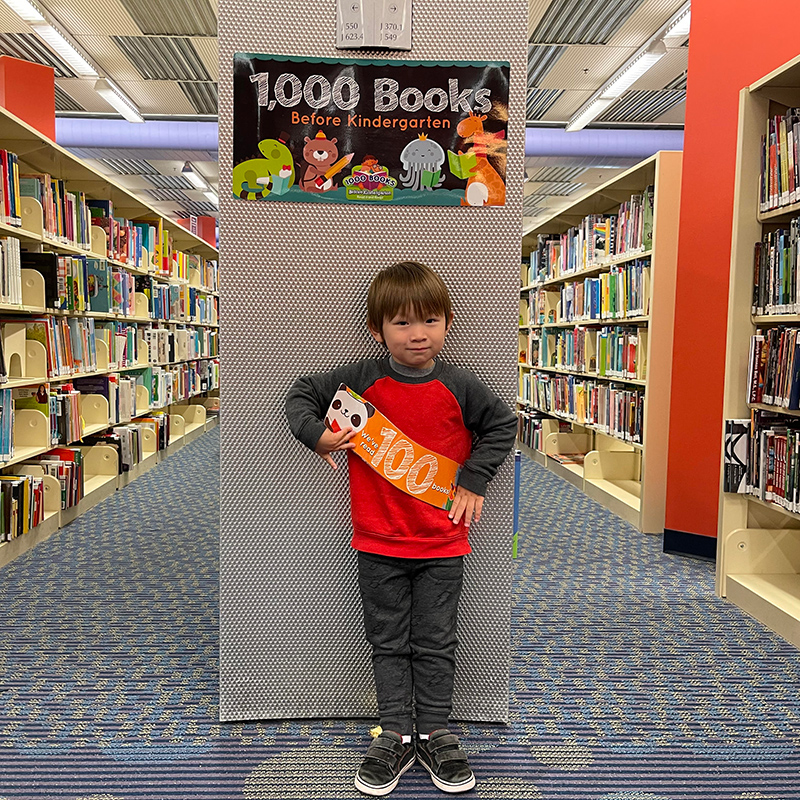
x: 309, y: 397
x: 492, y: 422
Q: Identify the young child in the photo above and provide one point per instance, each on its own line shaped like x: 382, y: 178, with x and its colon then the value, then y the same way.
x: 410, y: 553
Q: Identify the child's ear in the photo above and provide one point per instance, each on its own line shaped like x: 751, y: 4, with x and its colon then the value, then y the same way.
x: 376, y: 335
x: 450, y: 322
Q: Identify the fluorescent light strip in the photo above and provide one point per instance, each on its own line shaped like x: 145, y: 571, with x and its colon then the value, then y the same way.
x: 211, y: 196
x: 115, y: 98
x: 193, y: 177
x: 65, y: 50
x: 26, y: 10
x: 587, y: 114
x: 679, y: 28
x: 633, y: 72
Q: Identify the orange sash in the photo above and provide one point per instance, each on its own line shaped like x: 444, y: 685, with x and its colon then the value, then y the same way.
x: 407, y: 465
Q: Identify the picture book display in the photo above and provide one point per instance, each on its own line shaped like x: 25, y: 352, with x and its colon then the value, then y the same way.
x: 409, y: 466
x: 320, y: 130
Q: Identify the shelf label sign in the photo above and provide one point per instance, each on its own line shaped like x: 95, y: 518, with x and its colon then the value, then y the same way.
x: 409, y: 466
x: 369, y: 131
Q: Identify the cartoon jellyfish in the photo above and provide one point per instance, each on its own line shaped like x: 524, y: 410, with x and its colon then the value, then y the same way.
x: 422, y: 160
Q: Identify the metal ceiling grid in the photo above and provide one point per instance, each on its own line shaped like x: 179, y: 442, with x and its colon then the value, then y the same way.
x: 128, y: 166
x: 167, y: 194
x: 64, y: 102
x: 93, y: 17
x: 541, y: 58
x: 163, y: 58
x: 642, y: 105
x: 583, y: 21
x: 203, y: 208
x: 559, y: 174
x: 29, y: 47
x: 677, y: 83
x: 109, y: 58
x: 671, y: 66
x: 207, y: 51
x: 173, y: 17
x: 556, y: 189
x: 82, y: 92
x: 539, y: 101
x: 646, y: 20
x: 566, y: 105
x: 168, y: 181
x: 203, y: 96
x: 95, y: 153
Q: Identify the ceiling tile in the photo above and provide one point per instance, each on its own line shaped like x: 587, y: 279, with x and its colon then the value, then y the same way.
x: 672, y: 66
x: 208, y: 52
x: 566, y: 105
x: 536, y: 10
x: 29, y: 47
x: 91, y: 17
x: 201, y: 94
x: 10, y: 22
x: 582, y: 21
x: 173, y: 17
x: 163, y: 58
x: 541, y: 59
x: 539, y: 101
x: 675, y: 116
x: 82, y: 91
x: 152, y: 97
x: 66, y: 103
x: 585, y: 67
x: 642, y: 105
x: 646, y: 21
x: 109, y: 58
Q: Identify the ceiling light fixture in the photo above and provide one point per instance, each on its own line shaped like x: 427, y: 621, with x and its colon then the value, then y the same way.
x: 211, y: 196
x: 115, y: 98
x: 194, y: 177
x: 648, y: 55
x: 26, y: 10
x: 65, y: 49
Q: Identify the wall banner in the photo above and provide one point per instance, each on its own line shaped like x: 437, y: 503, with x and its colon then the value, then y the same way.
x: 319, y: 130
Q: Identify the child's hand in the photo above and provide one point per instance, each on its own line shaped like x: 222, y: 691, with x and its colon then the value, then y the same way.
x: 467, y: 503
x: 331, y: 442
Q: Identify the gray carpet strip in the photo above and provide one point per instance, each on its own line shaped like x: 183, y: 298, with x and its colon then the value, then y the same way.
x: 630, y: 680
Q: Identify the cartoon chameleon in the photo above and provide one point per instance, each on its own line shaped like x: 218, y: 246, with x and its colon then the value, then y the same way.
x: 255, y: 178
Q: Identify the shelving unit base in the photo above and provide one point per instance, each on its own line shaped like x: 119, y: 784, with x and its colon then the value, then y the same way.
x: 773, y: 600
x: 96, y: 488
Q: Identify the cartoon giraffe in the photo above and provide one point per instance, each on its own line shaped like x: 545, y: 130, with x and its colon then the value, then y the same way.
x: 485, y: 187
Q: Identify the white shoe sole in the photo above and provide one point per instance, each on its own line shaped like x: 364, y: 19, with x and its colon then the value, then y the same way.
x: 386, y: 788
x: 450, y: 788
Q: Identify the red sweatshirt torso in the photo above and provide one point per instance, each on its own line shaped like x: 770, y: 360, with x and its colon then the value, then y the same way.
x: 386, y: 520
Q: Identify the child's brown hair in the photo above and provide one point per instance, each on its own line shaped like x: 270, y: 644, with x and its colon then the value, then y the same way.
x: 406, y: 286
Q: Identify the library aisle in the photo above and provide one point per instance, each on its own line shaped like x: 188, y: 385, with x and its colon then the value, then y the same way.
x: 630, y: 679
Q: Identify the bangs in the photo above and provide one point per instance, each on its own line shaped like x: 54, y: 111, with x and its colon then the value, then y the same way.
x: 407, y: 286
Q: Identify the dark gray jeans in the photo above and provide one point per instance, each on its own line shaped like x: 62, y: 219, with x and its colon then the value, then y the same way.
x: 410, y: 614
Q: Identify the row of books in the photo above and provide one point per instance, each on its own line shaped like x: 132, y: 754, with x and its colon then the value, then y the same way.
x: 773, y: 372
x: 529, y: 427
x: 622, y: 292
x: 596, y: 240
x: 776, y: 262
x: 21, y: 505
x: 10, y: 271
x: 613, y: 410
x: 167, y: 345
x: 780, y: 161
x: 178, y: 301
x: 10, y: 210
x: 762, y: 458
x: 618, y: 352
x: 60, y: 403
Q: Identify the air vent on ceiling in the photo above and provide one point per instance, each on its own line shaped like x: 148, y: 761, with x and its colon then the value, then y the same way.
x: 173, y: 17
x: 203, y: 96
x: 200, y: 209
x: 168, y: 181
x: 540, y: 102
x: 677, y: 83
x: 583, y: 21
x: 541, y: 59
x: 642, y: 105
x: 30, y: 47
x: 66, y: 103
x: 129, y: 166
x: 167, y: 194
x: 160, y: 58
x: 559, y: 188
x: 559, y: 174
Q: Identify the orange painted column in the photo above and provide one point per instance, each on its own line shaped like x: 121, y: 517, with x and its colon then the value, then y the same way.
x: 28, y: 91
x: 733, y: 43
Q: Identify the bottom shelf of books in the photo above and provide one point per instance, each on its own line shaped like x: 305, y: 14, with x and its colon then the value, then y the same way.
x: 57, y: 485
x: 605, y: 468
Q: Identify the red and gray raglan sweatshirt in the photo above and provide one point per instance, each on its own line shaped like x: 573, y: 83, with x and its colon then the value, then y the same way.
x: 447, y: 410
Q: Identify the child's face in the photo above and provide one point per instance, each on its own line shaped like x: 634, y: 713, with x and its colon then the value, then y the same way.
x: 414, y: 341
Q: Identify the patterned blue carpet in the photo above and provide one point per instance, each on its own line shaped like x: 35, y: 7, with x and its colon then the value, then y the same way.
x: 630, y: 680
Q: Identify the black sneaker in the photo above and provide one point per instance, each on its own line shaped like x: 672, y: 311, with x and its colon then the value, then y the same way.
x: 387, y: 758
x: 442, y: 756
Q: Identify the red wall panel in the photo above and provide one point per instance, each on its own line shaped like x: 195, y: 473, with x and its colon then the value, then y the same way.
x: 27, y: 90
x: 733, y: 44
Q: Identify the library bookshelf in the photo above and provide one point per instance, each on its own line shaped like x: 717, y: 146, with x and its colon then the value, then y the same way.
x: 187, y: 328
x: 625, y: 474
x: 758, y: 544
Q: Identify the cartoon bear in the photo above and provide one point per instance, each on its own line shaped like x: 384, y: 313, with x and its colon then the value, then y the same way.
x: 347, y: 410
x: 319, y: 153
